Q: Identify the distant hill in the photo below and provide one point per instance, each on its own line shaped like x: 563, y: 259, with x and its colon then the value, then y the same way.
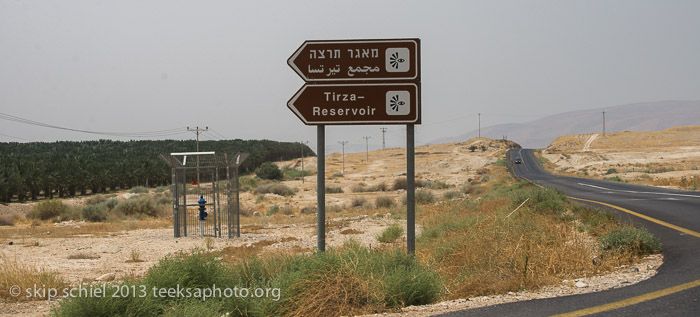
x: 649, y: 116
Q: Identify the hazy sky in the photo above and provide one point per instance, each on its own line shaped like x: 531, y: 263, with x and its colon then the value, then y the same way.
x: 131, y: 66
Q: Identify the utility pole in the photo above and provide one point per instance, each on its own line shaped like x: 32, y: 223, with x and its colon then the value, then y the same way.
x: 197, y: 130
x: 367, y: 145
x: 343, y: 144
x: 479, y: 124
x: 383, y: 132
x: 603, y: 123
x: 302, y: 159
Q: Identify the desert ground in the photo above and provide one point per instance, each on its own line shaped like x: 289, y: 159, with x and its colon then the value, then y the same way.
x: 84, y: 252
x: 668, y: 158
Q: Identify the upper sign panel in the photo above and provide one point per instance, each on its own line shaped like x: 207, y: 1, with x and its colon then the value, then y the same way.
x: 358, y: 60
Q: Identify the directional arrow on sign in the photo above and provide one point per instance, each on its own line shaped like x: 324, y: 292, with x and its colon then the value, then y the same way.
x: 335, y: 104
x: 358, y: 60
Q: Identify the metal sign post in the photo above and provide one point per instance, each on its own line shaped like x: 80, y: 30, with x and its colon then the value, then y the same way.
x: 361, y: 82
x: 321, y: 187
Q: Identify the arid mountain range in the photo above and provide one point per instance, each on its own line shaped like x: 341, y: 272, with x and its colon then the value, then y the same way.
x: 637, y: 117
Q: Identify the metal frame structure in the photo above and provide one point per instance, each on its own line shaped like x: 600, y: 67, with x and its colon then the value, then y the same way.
x: 209, y: 176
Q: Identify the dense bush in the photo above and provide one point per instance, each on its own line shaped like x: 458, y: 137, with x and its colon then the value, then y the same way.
x: 629, y: 239
x: 402, y: 183
x: 49, y: 209
x: 139, y: 205
x: 269, y: 170
x: 334, y: 190
x: 384, y: 202
x: 390, y: 234
x: 94, y: 213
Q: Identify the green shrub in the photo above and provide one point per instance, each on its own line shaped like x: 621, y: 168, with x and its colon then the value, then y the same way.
x: 110, y: 204
x: 541, y: 199
x: 334, y: 190
x: 615, y: 179
x: 96, y: 199
x: 273, y: 209
x: 277, y: 189
x: 425, y: 197
x: 629, y: 239
x: 390, y: 234
x: 138, y: 190
x: 611, y: 171
x: 251, y: 182
x: 384, y: 202
x: 452, y: 194
x: 292, y: 174
x: 196, y: 269
x: 500, y: 162
x: 269, y: 170
x: 48, y: 209
x: 162, y: 189
x: 138, y: 205
x: 94, y: 213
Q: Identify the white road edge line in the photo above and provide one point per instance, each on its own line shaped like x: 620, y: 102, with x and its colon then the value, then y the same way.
x: 636, y: 192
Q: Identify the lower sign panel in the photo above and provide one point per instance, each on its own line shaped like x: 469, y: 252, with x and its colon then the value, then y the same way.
x: 357, y: 104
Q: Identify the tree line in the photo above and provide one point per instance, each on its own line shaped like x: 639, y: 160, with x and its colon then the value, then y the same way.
x: 67, y: 168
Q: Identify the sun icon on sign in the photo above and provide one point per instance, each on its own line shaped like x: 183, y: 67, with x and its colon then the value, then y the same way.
x: 394, y: 60
x: 395, y: 103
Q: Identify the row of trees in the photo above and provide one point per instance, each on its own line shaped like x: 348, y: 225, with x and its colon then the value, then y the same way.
x: 39, y: 169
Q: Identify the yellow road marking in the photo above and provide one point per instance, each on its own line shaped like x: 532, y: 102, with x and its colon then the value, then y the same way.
x: 632, y: 301
x: 654, y: 220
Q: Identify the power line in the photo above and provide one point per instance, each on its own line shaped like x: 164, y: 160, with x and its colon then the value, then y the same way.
x: 219, y: 134
x: 142, y: 134
x: 15, y: 137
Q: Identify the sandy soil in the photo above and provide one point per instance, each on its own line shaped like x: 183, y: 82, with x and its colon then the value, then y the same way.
x: 669, y: 158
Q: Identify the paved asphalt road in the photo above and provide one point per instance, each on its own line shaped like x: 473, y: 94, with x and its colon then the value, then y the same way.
x: 672, y: 216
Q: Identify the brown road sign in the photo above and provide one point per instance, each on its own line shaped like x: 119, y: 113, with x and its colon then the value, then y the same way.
x: 342, y: 104
x: 358, y: 60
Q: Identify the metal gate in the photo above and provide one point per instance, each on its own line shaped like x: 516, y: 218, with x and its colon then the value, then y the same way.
x: 203, y: 181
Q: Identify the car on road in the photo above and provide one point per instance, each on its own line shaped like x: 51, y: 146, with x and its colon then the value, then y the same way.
x: 518, y: 160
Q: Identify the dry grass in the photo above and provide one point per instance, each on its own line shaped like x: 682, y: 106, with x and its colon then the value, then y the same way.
x: 13, y: 272
x: 478, y: 251
x: 135, y: 257
x: 343, y: 293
